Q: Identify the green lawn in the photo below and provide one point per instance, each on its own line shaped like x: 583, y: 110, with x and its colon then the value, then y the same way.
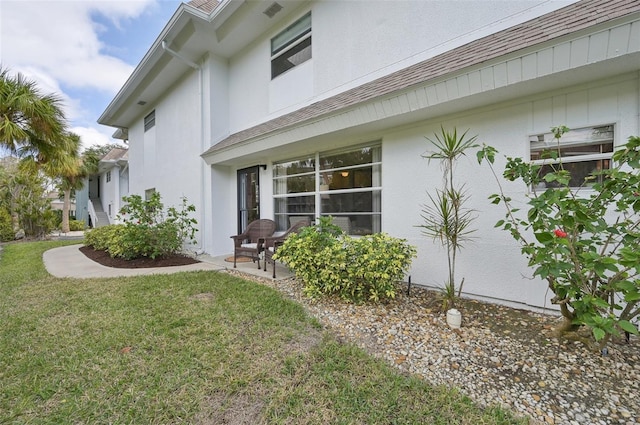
x: 195, y: 348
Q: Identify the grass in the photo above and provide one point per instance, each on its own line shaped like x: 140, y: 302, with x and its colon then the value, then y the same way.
x: 195, y: 348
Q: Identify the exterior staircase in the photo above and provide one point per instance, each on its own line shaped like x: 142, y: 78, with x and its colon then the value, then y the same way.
x: 103, y: 218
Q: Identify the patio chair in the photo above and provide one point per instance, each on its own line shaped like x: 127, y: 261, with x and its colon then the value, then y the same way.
x: 250, y: 242
x: 271, y: 244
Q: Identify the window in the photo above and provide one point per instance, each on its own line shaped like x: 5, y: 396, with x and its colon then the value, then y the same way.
x: 150, y: 120
x: 108, y: 176
x: 291, y: 47
x: 148, y: 194
x: 343, y: 184
x: 581, y: 151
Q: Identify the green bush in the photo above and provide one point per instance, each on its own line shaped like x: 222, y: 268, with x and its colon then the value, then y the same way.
x: 145, y: 232
x: 105, y: 238
x: 356, y: 269
x: 6, y: 226
x: 76, y: 225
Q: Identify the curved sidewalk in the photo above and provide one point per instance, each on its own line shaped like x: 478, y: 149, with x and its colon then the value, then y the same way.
x: 68, y: 261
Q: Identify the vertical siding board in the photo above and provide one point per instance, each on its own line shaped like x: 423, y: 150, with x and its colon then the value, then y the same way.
x: 577, y: 110
x: 475, y: 82
x: 500, y: 75
x: 600, y: 105
x: 441, y: 92
x: 421, y: 96
x: 514, y: 71
x: 431, y: 95
x: 559, y: 110
x: 561, y: 57
x: 412, y: 99
x: 634, y: 37
x: 579, y: 52
x: 598, y: 46
x: 545, y: 62
x: 619, y: 41
x: 529, y: 66
x: 463, y: 85
x: 487, y: 79
x: 452, y: 89
x: 542, y: 110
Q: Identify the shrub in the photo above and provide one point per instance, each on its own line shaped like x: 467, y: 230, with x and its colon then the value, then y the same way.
x: 76, y: 225
x: 145, y: 232
x: 6, y: 226
x: 585, y: 245
x: 355, y: 269
x: 106, y: 238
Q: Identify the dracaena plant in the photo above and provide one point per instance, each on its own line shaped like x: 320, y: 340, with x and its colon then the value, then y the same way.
x: 584, y: 244
x: 446, y: 219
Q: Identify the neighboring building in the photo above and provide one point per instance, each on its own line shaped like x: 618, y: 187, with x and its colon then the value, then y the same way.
x: 57, y: 202
x: 306, y: 108
x: 100, y: 199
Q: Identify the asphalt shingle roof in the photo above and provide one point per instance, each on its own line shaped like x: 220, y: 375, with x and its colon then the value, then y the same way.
x: 572, y: 18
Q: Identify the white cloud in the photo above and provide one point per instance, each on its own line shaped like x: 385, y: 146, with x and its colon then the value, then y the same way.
x: 91, y: 136
x: 61, y: 39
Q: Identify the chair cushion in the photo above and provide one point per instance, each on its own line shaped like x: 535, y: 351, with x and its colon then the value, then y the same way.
x: 250, y: 245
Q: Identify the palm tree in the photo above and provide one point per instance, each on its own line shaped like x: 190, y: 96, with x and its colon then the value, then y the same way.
x: 32, y: 125
x: 71, y: 178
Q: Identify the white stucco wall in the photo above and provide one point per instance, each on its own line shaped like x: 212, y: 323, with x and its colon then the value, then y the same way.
x: 167, y: 157
x: 492, y: 265
x: 358, y: 41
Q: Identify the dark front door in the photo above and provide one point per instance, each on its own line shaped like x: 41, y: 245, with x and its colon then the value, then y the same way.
x: 248, y: 196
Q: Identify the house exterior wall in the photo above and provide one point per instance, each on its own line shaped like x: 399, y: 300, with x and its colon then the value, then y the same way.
x: 502, y: 100
x: 166, y: 157
x: 492, y: 264
x: 382, y: 37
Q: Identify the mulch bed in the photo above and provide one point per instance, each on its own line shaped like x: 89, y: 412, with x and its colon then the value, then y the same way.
x: 103, y: 257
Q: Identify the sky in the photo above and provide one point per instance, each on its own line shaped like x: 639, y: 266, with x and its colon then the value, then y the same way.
x: 81, y: 50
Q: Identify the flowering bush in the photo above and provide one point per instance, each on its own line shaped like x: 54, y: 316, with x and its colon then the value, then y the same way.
x: 586, y: 245
x: 146, y: 230
x: 356, y: 269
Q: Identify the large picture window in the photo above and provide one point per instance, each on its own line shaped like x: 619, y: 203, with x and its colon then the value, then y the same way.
x: 291, y: 47
x: 343, y: 184
x: 581, y: 151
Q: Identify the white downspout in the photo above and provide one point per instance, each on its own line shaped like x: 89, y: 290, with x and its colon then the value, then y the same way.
x: 166, y: 48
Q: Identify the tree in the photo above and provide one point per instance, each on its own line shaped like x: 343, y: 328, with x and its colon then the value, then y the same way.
x: 32, y: 125
x: 71, y: 178
x: 446, y: 219
x: 585, y: 245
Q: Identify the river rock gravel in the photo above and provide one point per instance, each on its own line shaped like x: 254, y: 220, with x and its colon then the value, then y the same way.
x: 500, y: 355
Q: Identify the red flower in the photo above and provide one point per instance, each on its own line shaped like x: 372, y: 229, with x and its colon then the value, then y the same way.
x: 559, y: 233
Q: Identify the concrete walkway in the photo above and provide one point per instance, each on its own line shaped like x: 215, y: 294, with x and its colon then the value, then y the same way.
x: 68, y: 261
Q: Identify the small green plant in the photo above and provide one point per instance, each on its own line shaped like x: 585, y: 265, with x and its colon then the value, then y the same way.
x: 356, y: 269
x: 76, y: 225
x: 445, y: 217
x: 6, y: 226
x: 146, y: 230
x: 585, y: 245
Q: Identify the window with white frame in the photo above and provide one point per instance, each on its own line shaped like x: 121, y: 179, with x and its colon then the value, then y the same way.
x: 291, y: 47
x: 581, y: 152
x: 108, y: 176
x: 150, y: 120
x: 344, y: 184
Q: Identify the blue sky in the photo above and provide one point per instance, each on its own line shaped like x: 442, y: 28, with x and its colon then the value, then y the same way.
x: 82, y: 50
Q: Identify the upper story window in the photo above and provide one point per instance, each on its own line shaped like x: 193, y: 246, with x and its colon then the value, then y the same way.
x: 150, y: 120
x: 292, y: 46
x: 581, y: 151
x: 108, y: 176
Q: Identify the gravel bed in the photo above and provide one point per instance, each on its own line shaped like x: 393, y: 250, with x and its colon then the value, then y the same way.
x: 500, y: 355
